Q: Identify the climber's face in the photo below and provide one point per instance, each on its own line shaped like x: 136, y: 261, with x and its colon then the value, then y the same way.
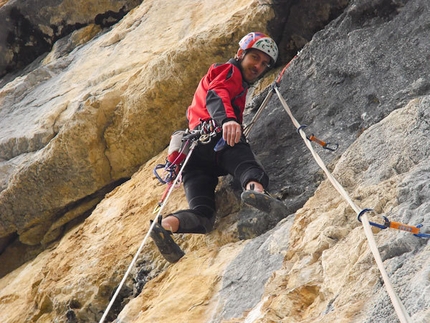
x: 254, y: 63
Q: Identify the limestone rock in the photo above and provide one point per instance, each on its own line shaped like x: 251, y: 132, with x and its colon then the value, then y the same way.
x: 81, y: 121
x: 30, y: 28
x: 110, y: 108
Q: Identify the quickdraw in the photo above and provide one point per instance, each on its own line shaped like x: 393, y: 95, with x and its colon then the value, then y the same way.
x: 276, y: 84
x: 325, y: 145
x: 415, y: 230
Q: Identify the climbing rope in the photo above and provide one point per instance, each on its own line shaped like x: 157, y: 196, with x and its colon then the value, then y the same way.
x: 139, y: 250
x: 397, y: 304
x: 362, y: 216
x: 199, y: 136
x: 266, y: 100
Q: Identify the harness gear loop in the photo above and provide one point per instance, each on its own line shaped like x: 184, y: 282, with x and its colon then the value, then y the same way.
x: 178, y: 149
x: 171, y: 170
x: 206, y: 131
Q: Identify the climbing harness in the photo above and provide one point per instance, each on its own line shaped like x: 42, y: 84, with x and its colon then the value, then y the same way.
x: 415, y: 230
x: 203, y: 135
x: 179, y: 148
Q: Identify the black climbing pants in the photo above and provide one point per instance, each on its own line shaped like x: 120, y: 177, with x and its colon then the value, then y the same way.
x: 200, y: 178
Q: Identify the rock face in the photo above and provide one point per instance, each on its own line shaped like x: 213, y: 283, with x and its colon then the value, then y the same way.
x: 98, y: 125
x: 81, y: 121
x: 30, y: 28
x: 82, y: 127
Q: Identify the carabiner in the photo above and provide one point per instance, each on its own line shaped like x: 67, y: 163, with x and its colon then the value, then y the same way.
x: 325, y: 145
x: 380, y: 226
x: 205, y: 138
x: 422, y: 235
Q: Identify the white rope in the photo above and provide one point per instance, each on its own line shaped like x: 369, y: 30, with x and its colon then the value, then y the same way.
x: 398, y: 306
x: 247, y: 129
x: 193, y: 144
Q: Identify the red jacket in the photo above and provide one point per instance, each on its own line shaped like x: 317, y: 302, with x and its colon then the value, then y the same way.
x: 220, y: 95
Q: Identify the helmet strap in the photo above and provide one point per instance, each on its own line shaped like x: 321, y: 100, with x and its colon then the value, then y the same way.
x: 240, y: 54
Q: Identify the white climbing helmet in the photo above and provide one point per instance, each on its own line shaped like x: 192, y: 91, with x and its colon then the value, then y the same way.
x: 261, y: 42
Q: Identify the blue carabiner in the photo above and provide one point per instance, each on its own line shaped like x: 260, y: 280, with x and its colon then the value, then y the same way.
x: 380, y: 226
x: 220, y: 145
x: 422, y: 235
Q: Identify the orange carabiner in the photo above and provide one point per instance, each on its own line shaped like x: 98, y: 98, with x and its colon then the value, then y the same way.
x: 325, y: 145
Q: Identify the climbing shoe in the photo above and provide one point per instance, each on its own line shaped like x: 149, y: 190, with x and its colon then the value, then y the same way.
x: 165, y: 243
x: 259, y: 213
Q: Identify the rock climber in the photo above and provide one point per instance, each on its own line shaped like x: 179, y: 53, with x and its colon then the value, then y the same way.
x: 220, y: 96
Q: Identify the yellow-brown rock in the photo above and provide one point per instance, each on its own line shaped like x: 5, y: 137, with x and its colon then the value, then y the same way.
x: 82, y: 128
x: 100, y: 126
